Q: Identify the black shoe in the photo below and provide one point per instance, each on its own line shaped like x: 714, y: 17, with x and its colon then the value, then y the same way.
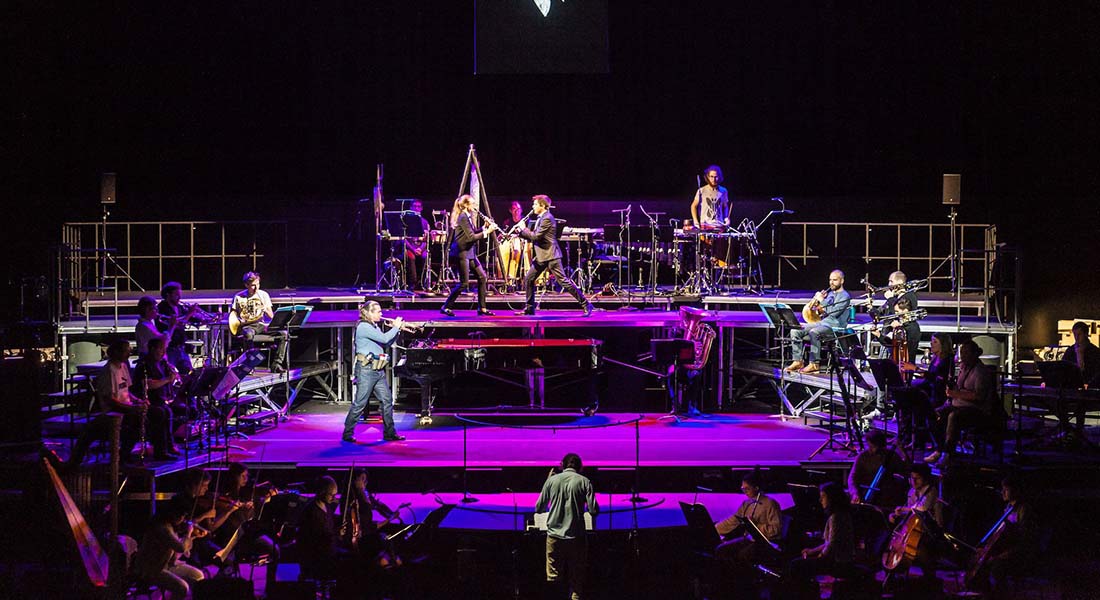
x: 347, y: 439
x: 588, y: 308
x: 393, y: 438
x: 447, y: 311
x: 485, y: 312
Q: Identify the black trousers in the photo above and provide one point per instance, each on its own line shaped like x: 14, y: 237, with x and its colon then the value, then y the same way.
x: 554, y: 265
x: 464, y: 266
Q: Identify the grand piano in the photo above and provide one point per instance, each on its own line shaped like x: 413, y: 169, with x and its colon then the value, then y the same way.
x: 522, y: 363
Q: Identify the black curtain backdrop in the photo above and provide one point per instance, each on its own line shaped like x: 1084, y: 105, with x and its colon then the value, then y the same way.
x: 278, y: 109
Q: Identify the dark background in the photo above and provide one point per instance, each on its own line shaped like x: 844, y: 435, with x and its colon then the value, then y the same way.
x: 852, y: 111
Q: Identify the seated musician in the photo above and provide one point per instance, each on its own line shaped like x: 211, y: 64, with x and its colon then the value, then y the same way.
x: 199, y: 508
x: 235, y: 527
x: 1086, y: 357
x: 834, y: 303
x: 317, y: 535
x: 971, y: 402
x: 711, y: 206
x: 1014, y: 550
x: 923, y: 497
x: 146, y: 328
x: 895, y: 329
x: 371, y: 354
x: 416, y: 249
x: 155, y: 561
x: 837, y: 551
x: 931, y: 384
x: 253, y: 310
x: 895, y: 293
x: 763, y: 511
x: 153, y: 370
x: 174, y: 316
x: 113, y: 395
x: 512, y: 251
x: 371, y: 541
x: 877, y: 455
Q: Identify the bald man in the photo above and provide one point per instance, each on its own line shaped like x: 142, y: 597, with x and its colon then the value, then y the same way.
x: 835, y: 301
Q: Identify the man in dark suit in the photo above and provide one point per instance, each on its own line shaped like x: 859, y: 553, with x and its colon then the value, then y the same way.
x: 544, y: 237
x: 463, y: 254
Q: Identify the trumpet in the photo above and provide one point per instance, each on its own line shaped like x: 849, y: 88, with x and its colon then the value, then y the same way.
x: 406, y: 327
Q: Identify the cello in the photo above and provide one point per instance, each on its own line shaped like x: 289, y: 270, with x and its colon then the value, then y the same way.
x: 906, y: 539
x: 987, y: 545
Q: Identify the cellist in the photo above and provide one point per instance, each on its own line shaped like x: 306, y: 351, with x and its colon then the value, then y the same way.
x: 1009, y: 546
x: 922, y: 503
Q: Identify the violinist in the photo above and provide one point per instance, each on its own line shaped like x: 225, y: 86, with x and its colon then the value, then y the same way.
x: 317, y: 532
x: 876, y: 457
x: 155, y: 560
x: 236, y: 523
x: 173, y: 316
x: 833, y: 303
x: 895, y: 293
x: 153, y: 378
x: 199, y: 508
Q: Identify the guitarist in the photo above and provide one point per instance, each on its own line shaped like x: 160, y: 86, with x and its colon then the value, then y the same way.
x: 250, y: 314
x: 831, y: 306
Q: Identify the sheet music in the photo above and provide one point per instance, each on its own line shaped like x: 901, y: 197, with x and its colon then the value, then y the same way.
x: 540, y: 521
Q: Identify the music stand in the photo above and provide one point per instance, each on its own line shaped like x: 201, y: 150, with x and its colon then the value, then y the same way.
x: 403, y: 223
x: 1060, y: 375
x: 704, y: 536
x: 781, y: 318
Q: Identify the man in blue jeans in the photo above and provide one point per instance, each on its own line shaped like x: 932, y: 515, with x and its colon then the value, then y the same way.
x: 371, y: 360
x: 834, y: 303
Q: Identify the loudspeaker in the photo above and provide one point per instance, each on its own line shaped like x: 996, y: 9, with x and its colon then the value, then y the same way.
x: 107, y: 188
x: 952, y: 188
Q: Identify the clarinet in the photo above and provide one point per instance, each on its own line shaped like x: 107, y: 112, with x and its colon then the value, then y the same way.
x: 142, y: 413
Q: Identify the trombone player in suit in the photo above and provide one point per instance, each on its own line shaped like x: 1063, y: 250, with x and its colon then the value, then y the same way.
x: 544, y: 237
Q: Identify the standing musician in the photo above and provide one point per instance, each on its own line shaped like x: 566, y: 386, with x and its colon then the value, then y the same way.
x: 764, y: 512
x: 153, y: 369
x: 146, y: 328
x: 895, y: 293
x: 866, y: 468
x: 513, y: 252
x: 710, y: 208
x: 1084, y: 355
x: 463, y: 254
x: 544, y: 237
x: 174, y: 316
x: 251, y: 312
x: 416, y: 249
x: 832, y: 305
x: 371, y: 361
x: 971, y: 401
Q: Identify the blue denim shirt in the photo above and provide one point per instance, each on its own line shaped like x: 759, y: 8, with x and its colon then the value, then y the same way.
x: 369, y: 339
x: 836, y: 309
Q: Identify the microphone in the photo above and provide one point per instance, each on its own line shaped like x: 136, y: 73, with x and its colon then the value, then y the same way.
x: 698, y: 489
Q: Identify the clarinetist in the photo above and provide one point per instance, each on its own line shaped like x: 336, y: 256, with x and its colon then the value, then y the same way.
x: 371, y: 362
x: 463, y: 254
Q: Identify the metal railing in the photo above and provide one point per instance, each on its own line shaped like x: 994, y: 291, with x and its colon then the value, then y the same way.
x: 109, y: 257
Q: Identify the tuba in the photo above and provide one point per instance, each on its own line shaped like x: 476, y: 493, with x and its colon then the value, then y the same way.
x: 701, y: 335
